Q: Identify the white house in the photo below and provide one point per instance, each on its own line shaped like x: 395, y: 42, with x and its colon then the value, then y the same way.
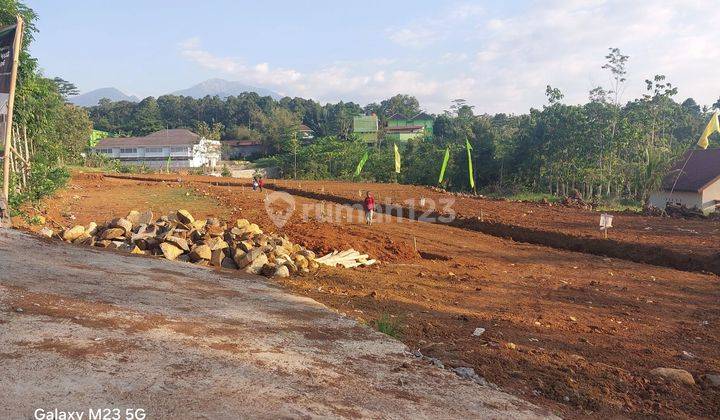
x: 181, y: 148
x: 695, y: 186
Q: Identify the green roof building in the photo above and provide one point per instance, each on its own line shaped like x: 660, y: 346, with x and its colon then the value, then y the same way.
x: 366, y: 128
x: 402, y: 128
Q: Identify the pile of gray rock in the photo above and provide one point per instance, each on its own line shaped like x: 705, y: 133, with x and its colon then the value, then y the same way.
x: 179, y: 236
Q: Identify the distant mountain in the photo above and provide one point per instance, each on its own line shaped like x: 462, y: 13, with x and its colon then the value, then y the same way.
x: 223, y: 89
x: 93, y: 97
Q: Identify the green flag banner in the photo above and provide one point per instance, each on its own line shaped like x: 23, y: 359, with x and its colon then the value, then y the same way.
x: 361, y: 164
x: 444, y: 165
x: 470, y: 168
x: 397, y: 159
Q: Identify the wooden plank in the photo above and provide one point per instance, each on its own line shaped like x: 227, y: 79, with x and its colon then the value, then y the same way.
x: 11, y: 102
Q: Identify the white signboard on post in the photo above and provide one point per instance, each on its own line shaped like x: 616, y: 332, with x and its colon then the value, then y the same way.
x: 605, y: 222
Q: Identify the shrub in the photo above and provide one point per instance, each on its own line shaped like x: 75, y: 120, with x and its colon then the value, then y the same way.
x: 225, y: 171
x: 388, y: 325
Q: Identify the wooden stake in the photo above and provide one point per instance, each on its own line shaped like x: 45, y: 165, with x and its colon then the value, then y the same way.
x: 11, y: 103
x: 415, y: 243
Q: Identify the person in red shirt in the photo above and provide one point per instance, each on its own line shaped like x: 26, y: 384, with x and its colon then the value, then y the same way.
x: 261, y: 183
x: 369, y: 206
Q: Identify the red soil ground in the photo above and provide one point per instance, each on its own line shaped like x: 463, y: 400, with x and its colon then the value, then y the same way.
x: 571, y: 331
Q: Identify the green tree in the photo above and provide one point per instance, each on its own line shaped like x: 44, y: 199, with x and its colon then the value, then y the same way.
x: 65, y: 88
x: 146, y: 117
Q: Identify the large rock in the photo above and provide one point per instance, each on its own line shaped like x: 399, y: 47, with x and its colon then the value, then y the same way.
x: 675, y: 375
x: 137, y: 250
x: 242, y: 223
x: 216, y: 243
x: 254, y: 229
x: 268, y: 269
x: 91, y: 228
x: 144, y: 232
x: 238, y: 256
x: 85, y: 239
x: 216, y: 257
x: 133, y: 217
x: 246, y: 246
x: 198, y: 224
x: 257, y: 264
x: 214, y: 230
x: 113, y: 233
x: 145, y: 217
x: 249, y: 257
x: 282, y: 271
x: 170, y: 250
x: 185, y: 217
x: 73, y: 233
x: 300, y: 261
x: 47, y: 232
x: 200, y: 252
x: 122, y: 223
x: 178, y: 241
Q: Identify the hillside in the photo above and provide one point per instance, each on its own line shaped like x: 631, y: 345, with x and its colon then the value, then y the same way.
x: 223, y: 88
x: 93, y: 97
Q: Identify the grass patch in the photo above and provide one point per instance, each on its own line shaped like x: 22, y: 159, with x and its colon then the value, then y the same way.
x: 528, y: 196
x: 621, y: 205
x: 386, y: 324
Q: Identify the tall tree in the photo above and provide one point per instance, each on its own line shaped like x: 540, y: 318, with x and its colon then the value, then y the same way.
x: 146, y: 117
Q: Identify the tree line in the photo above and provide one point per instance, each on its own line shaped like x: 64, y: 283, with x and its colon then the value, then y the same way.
x: 58, y: 131
x: 605, y: 147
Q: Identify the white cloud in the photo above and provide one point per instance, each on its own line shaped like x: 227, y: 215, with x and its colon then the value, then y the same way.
x: 425, y: 32
x: 501, y: 63
x: 260, y: 73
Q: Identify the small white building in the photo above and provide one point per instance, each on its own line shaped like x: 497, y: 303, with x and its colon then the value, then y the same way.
x: 696, y: 186
x: 179, y: 147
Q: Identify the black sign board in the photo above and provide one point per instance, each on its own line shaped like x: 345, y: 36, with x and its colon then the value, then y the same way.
x: 7, y: 43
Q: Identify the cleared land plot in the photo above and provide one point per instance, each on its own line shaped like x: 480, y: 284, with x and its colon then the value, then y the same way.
x: 575, y: 332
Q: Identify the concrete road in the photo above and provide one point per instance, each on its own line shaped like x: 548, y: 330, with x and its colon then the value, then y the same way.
x: 87, y: 329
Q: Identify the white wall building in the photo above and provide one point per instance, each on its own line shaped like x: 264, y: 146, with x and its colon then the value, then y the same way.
x: 182, y: 148
x: 696, y: 186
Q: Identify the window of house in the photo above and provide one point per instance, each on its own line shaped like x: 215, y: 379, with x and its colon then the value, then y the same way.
x: 178, y: 149
x: 153, y: 150
x: 104, y: 151
x: 128, y: 151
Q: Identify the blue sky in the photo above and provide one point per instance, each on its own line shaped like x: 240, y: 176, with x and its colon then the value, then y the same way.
x: 497, y: 56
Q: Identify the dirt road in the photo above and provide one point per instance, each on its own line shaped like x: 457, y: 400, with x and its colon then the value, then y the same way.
x: 89, y: 329
x: 575, y: 332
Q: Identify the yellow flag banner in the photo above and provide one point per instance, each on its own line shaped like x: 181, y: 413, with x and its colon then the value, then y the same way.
x: 397, y: 159
x: 713, y: 126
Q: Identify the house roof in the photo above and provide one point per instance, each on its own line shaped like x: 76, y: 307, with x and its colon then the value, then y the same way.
x: 405, y: 129
x: 701, y: 170
x: 397, y: 116
x: 421, y: 116
x: 241, y: 143
x: 174, y: 137
x: 304, y: 128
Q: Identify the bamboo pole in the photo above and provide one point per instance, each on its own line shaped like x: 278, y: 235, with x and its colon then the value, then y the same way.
x: 11, y: 103
x: 22, y: 168
x: 27, y: 149
x: 18, y: 154
x: 29, y: 141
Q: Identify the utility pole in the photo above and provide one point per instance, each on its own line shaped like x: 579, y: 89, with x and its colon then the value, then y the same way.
x: 11, y: 102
